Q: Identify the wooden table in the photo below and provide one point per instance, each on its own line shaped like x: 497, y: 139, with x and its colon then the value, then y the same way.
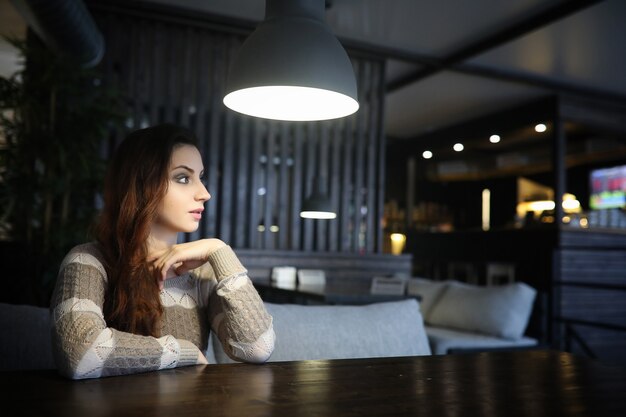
x: 525, y: 383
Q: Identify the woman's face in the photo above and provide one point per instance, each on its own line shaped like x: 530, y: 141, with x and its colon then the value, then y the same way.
x: 182, y: 206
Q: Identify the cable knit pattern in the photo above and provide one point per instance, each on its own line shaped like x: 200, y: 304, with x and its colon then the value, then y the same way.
x: 85, y: 347
x: 258, y: 351
x: 225, y: 263
x: 250, y: 339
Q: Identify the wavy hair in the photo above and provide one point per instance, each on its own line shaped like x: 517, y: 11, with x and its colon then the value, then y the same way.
x: 136, y: 183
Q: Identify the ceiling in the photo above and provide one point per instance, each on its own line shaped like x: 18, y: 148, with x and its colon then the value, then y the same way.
x: 481, y: 56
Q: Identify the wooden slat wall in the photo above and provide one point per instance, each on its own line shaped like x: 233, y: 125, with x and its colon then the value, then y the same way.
x: 590, y: 291
x: 258, y: 171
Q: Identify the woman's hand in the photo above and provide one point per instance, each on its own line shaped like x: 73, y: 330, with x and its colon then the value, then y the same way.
x: 201, y: 359
x: 182, y: 258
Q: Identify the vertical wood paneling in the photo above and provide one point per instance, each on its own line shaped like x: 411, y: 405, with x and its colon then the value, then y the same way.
x: 187, y: 89
x: 201, y: 55
x: 380, y: 135
x: 359, y: 160
x: 170, y: 67
x: 227, y: 191
x: 347, y: 189
x: 297, y: 191
x: 176, y: 72
x: 242, y: 151
x: 254, y: 215
x: 311, y: 146
x: 323, y: 175
x: 270, y: 187
x: 214, y: 134
x: 370, y: 172
x: 335, y: 184
x: 284, y: 190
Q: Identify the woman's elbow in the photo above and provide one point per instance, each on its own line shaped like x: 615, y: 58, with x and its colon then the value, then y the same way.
x: 257, y: 352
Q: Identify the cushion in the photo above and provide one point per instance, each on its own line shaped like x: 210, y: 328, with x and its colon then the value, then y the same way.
x: 501, y: 311
x: 429, y: 291
x: 305, y: 332
x: 26, y: 340
x: 443, y: 340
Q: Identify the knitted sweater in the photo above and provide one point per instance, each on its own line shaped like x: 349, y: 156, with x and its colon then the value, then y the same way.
x: 218, y: 296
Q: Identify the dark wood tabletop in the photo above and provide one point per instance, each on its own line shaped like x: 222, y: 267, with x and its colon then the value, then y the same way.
x: 523, y: 383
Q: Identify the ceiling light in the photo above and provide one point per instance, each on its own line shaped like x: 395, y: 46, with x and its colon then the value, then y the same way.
x: 540, y: 128
x: 458, y: 147
x: 494, y: 138
x: 427, y: 154
x: 292, y: 67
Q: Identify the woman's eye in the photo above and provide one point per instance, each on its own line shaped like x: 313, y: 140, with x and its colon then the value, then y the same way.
x: 182, y: 179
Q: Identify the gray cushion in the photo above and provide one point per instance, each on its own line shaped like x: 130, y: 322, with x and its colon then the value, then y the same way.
x: 339, y: 331
x: 501, y: 311
x: 26, y: 340
x: 442, y: 340
x: 429, y: 291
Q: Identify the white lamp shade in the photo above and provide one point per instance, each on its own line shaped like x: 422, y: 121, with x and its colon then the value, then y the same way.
x: 292, y: 67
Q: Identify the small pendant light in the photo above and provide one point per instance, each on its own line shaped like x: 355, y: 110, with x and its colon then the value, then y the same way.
x: 292, y: 67
x: 318, y: 205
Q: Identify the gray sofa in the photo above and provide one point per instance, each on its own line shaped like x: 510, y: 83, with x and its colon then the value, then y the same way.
x: 26, y: 342
x: 451, y: 317
x: 306, y: 332
x: 461, y: 317
x: 303, y: 332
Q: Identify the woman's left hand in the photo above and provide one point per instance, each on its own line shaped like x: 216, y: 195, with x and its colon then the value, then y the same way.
x: 182, y: 258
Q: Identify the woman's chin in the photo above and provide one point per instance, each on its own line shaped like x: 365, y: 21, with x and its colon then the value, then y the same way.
x: 191, y: 229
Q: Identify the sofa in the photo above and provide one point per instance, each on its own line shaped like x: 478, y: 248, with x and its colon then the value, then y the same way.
x: 26, y: 341
x: 451, y: 317
x: 307, y: 332
x: 303, y: 332
x: 462, y: 317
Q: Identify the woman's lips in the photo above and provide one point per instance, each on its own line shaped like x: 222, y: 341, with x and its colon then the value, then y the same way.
x: 196, y: 214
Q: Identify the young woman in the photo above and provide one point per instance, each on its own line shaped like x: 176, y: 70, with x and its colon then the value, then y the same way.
x: 134, y: 300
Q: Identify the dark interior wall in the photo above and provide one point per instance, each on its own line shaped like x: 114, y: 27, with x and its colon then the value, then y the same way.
x: 465, y: 200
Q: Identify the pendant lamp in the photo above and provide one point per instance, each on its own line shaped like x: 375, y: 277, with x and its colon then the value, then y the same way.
x: 292, y: 67
x: 318, y: 205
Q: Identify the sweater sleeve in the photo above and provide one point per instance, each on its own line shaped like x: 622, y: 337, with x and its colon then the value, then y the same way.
x: 236, y: 312
x: 84, y: 346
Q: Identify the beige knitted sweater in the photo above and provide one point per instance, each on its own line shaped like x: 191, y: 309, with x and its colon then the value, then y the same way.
x: 218, y: 296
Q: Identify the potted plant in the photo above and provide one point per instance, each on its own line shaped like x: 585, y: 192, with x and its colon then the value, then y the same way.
x: 54, y: 117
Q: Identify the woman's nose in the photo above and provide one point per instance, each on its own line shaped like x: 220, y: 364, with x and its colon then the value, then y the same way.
x: 203, y: 193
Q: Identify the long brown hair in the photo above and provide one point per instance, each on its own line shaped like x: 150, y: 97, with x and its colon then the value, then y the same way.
x: 135, y: 185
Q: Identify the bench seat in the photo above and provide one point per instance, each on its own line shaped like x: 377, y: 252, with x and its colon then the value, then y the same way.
x: 445, y: 340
